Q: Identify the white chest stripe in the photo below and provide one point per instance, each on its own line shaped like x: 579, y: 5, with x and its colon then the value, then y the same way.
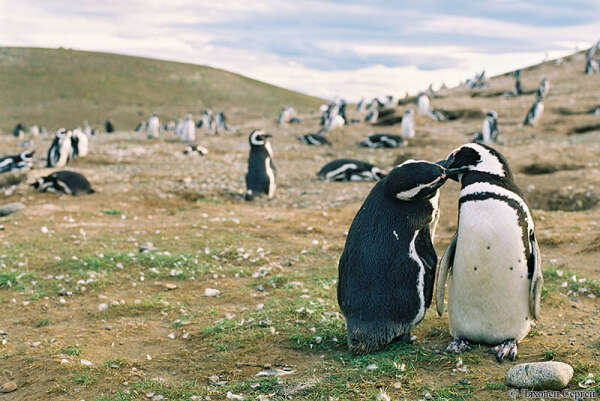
x: 409, y: 194
x: 340, y: 170
x: 484, y: 187
x: 412, y: 251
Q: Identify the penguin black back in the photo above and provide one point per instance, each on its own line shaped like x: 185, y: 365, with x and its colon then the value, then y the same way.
x: 260, y: 178
x: 68, y: 182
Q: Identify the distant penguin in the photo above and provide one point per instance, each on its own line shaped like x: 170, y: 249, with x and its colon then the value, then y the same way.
x: 383, y: 141
x: 489, y: 129
x: 544, y: 88
x: 34, y: 131
x: 285, y: 115
x: 387, y: 268
x: 592, y: 66
x: 60, y: 149
x: 493, y: 261
x: 86, y: 128
x: 195, y: 149
x: 260, y: 179
x: 79, y: 143
x: 19, y: 130
x: 21, y: 162
x: 179, y: 128
x: 188, y: 133
x: 350, y: 170
x: 109, y: 127
x: 207, y: 121
x: 407, y: 126
x: 361, y: 105
x: 153, y: 127
x: 221, y: 122
x: 372, y: 115
x: 535, y: 112
x: 67, y: 182
x: 423, y: 104
x: 314, y: 140
x: 335, y: 123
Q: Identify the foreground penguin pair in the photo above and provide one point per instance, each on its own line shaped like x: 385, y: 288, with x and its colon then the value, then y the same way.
x: 493, y: 261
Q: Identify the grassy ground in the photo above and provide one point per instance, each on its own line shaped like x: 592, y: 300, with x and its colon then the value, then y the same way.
x: 74, y: 287
x: 61, y: 88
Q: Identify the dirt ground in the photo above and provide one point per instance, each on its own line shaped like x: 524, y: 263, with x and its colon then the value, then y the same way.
x: 85, y: 316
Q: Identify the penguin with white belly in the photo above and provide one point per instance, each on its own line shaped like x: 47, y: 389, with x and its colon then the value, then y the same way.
x: 387, y: 268
x: 493, y: 261
x: 260, y: 179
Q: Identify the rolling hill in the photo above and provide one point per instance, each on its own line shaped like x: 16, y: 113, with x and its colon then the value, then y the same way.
x: 61, y: 87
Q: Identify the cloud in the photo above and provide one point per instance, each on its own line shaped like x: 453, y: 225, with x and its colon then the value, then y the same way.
x: 322, y: 47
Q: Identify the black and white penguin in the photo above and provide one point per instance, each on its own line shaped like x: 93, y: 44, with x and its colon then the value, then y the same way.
x: 21, y: 162
x: 383, y: 141
x: 153, y: 126
x: 350, y: 170
x: 60, y: 149
x: 387, y: 269
x: 407, y: 126
x: 489, y: 129
x: 314, y: 140
x: 285, y: 115
x: 260, y: 179
x: 109, y: 127
x: 423, y: 104
x: 544, y: 88
x: 535, y: 112
x: 493, y: 260
x: 187, y: 129
x: 79, y: 143
x: 19, y: 130
x: 195, y: 149
x: 592, y: 66
x: 67, y: 182
x: 221, y: 122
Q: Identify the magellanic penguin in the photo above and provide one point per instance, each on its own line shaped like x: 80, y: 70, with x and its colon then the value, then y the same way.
x: 60, y: 149
x: 383, y: 141
x: 535, y: 112
x: 195, y: 149
x: 407, y: 126
x: 21, y: 162
x: 489, y: 129
x: 67, y: 182
x: 314, y: 140
x: 350, y: 170
x: 543, y: 89
x: 260, y: 178
x: 79, y: 143
x: 493, y: 260
x: 387, y: 268
x: 188, y: 130
x: 153, y: 126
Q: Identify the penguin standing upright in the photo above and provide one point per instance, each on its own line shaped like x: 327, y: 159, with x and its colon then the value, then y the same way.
x: 544, y: 88
x: 423, y: 104
x: 79, y: 143
x: 535, y: 112
x: 408, y: 124
x: 153, y: 126
x: 188, y: 129
x: 60, y: 149
x: 489, y: 129
x: 493, y: 260
x: 387, y: 268
x: 260, y: 178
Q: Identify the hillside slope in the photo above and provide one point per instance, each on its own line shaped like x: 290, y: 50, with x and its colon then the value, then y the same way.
x: 59, y: 87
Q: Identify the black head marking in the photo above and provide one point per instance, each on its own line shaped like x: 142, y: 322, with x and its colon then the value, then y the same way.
x: 414, y: 180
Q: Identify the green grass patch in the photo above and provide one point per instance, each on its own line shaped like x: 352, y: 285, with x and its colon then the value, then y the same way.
x: 73, y: 350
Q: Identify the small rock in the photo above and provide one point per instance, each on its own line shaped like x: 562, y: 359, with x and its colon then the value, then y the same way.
x: 427, y: 396
x: 10, y: 208
x: 214, y: 378
x: 170, y: 286
x: 231, y: 396
x: 372, y: 367
x: 158, y: 397
x: 102, y: 307
x: 147, y: 247
x: 383, y: 396
x: 85, y: 362
x: 540, y: 375
x: 211, y: 292
x: 8, y: 387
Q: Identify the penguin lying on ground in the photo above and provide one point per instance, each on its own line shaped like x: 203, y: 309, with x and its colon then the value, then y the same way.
x: 21, y: 162
x: 260, y: 178
x: 383, y: 141
x: 387, y: 269
x: 314, y: 140
x: 67, y: 182
x: 350, y: 170
x: 195, y: 148
x: 493, y: 260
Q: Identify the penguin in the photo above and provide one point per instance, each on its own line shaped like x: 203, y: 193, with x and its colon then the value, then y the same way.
x: 350, y: 170
x: 21, y: 162
x: 67, y: 182
x: 372, y: 115
x: 109, y: 127
x: 79, y: 143
x: 383, y: 141
x: 87, y: 129
x: 423, y: 104
x: 60, y: 149
x: 34, y: 131
x: 314, y: 140
x: 387, y: 269
x: 195, y: 148
x: 153, y: 126
x: 335, y: 123
x: 285, y: 115
x: 489, y: 129
x: 544, y: 88
x: 221, y: 122
x: 592, y: 66
x: 260, y: 178
x: 493, y: 261
x: 407, y: 126
x: 139, y: 127
x: 188, y: 129
x: 296, y: 120
x: 535, y: 112
x: 19, y: 130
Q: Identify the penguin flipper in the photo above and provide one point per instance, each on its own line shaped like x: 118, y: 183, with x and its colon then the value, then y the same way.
x: 442, y: 275
x: 537, y: 280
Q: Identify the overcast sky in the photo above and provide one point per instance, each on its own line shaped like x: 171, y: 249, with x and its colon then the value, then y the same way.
x: 326, y: 48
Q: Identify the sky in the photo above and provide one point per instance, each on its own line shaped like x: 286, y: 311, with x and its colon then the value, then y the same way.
x: 326, y: 48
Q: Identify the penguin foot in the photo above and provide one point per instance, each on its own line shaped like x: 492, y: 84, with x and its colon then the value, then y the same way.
x: 506, y: 350
x: 458, y: 345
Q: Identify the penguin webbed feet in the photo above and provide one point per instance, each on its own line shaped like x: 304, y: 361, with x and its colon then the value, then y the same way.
x: 458, y: 345
x: 505, y: 350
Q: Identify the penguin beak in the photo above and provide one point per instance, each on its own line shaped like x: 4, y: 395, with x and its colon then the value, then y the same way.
x: 267, y: 136
x: 446, y: 163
